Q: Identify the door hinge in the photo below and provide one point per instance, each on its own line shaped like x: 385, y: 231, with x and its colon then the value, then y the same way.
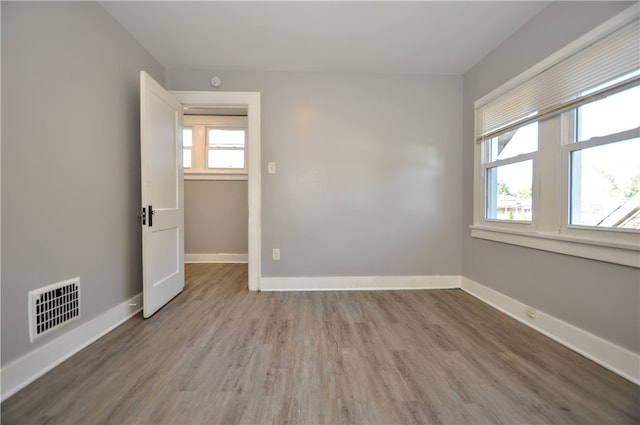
x: 142, y: 214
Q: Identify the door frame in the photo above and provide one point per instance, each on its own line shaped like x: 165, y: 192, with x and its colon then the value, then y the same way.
x: 251, y: 101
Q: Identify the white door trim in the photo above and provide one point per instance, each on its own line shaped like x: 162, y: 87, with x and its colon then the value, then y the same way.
x: 250, y: 100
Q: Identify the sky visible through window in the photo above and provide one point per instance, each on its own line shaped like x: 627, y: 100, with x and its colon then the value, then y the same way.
x: 608, y: 175
x: 524, y: 140
x: 606, y: 178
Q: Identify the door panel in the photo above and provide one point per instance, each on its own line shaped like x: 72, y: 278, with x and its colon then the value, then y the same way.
x: 162, y: 195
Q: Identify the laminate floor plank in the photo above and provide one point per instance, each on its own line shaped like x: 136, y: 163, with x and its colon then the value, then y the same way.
x: 219, y: 354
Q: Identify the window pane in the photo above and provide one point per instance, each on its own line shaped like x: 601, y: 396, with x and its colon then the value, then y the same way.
x: 613, y: 114
x: 509, y: 189
x: 513, y: 143
x: 226, y: 138
x: 605, y: 185
x: 186, y: 158
x: 187, y: 136
x: 222, y: 158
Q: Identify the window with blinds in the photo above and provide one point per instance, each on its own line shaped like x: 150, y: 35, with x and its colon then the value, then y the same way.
x: 557, y: 150
x: 607, y: 65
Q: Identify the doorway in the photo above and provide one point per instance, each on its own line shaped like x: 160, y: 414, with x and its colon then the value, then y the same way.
x: 250, y: 101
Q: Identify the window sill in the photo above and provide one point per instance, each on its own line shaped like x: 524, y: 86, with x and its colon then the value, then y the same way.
x: 617, y: 253
x: 215, y: 176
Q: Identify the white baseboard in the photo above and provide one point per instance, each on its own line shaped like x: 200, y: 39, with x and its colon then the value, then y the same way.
x: 26, y: 369
x: 609, y: 355
x: 216, y: 258
x: 358, y: 283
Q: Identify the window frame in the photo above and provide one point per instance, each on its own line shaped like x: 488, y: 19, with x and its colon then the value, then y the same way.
x: 185, y: 148
x: 569, y: 145
x: 550, y: 228
x: 208, y: 148
x: 524, y: 225
x: 200, y: 147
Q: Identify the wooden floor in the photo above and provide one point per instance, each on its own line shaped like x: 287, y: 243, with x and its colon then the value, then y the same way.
x: 220, y: 354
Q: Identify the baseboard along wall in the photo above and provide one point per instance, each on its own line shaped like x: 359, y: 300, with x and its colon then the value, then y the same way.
x: 26, y: 369
x: 607, y: 354
x: 358, y: 283
x: 216, y: 258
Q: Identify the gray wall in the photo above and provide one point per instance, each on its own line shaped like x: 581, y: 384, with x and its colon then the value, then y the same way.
x: 70, y: 159
x: 368, y: 178
x: 599, y: 297
x: 216, y: 216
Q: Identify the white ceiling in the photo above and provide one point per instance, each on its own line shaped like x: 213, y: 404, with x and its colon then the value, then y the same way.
x: 418, y: 37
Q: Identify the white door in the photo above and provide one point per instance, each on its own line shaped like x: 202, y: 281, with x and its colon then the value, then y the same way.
x: 162, y: 195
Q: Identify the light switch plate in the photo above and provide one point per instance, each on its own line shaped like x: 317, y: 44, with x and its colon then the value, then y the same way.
x: 271, y: 167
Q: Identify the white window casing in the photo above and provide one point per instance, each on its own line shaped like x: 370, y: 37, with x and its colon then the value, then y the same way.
x: 200, y: 125
x: 599, y: 64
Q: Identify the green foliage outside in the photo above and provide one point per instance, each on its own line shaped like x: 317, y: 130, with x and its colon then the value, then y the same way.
x: 503, y: 189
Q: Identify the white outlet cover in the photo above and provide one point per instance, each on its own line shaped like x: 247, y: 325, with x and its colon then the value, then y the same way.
x: 531, y: 312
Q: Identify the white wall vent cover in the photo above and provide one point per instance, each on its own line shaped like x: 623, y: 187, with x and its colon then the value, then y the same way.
x: 52, y: 306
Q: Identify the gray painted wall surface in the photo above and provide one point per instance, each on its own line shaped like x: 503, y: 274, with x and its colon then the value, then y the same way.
x: 216, y: 217
x: 599, y: 297
x: 368, y: 178
x: 70, y: 160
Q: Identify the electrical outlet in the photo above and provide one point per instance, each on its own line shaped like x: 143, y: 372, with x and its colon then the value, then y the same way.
x: 530, y: 311
x: 275, y: 254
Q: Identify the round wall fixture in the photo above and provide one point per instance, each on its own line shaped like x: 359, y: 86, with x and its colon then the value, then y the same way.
x: 216, y: 81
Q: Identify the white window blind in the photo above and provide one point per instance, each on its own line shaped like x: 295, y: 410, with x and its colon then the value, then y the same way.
x: 567, y: 83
